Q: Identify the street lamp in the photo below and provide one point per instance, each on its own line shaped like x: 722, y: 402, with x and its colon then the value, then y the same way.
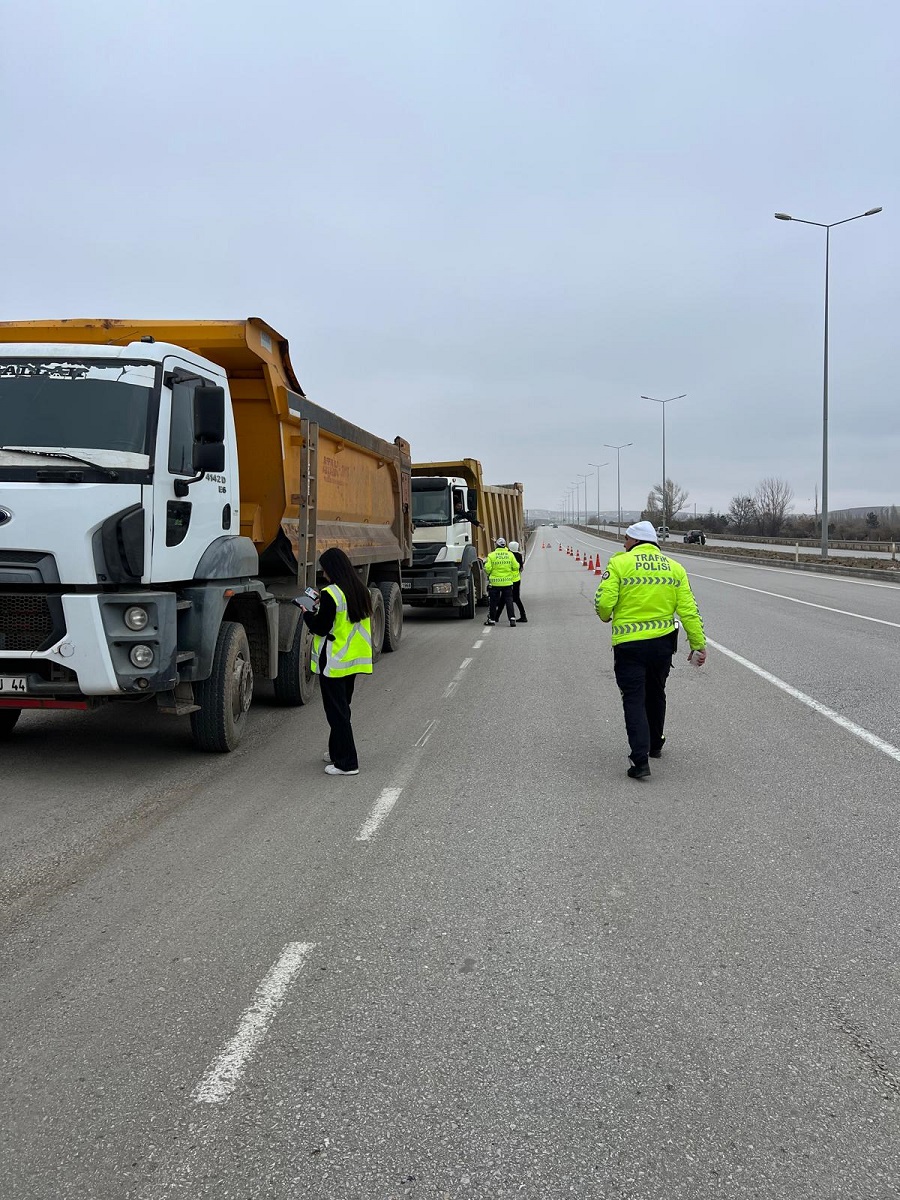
x: 598, y: 466
x: 585, y: 478
x: 828, y: 228
x: 664, y: 495
x: 618, y: 477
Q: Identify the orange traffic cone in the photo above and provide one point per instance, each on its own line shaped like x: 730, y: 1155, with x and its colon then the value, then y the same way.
x: 590, y: 565
x: 598, y: 569
x: 578, y: 556
x: 560, y: 545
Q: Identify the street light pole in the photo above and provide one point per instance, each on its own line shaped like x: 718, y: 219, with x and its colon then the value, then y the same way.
x: 585, y: 478
x: 828, y: 228
x: 618, y: 478
x: 598, y: 466
x: 664, y: 494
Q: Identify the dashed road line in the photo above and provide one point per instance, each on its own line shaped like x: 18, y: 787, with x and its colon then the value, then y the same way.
x: 380, y: 809
x: 426, y: 735
x: 223, y: 1074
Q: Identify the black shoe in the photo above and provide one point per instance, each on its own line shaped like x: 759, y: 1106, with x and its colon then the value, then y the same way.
x: 490, y: 622
x: 512, y: 624
x: 523, y: 620
x: 639, y: 771
x: 656, y: 751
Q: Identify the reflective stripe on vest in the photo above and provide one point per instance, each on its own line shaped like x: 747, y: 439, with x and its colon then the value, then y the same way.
x: 662, y: 623
x: 348, y: 651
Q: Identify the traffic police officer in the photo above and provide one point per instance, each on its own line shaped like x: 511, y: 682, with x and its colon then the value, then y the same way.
x: 640, y: 593
x: 516, y: 591
x: 502, y: 571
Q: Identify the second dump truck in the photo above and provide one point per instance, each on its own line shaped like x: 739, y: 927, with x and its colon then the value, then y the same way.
x: 457, y: 519
x: 166, y: 489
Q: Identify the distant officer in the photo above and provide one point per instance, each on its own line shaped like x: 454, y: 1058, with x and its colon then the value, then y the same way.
x: 516, y: 598
x: 502, y: 571
x: 641, y: 592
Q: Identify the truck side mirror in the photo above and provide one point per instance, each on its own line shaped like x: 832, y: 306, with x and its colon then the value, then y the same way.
x: 209, y: 414
x: 209, y: 429
x: 209, y: 456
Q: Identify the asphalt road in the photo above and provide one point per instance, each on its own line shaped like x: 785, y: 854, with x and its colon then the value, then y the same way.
x: 490, y: 965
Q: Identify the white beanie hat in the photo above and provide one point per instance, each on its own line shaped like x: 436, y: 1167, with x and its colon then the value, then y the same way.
x: 500, y: 542
x: 642, y: 531
x: 514, y: 546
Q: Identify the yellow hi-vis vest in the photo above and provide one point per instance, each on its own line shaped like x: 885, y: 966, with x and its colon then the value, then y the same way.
x: 501, y: 567
x: 642, y: 591
x: 349, y: 645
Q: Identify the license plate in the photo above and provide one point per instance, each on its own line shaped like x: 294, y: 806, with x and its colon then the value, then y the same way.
x: 406, y: 583
x: 10, y: 684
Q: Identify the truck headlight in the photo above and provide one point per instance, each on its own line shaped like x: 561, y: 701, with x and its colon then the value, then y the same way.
x: 136, y: 618
x: 141, y: 656
x: 442, y: 589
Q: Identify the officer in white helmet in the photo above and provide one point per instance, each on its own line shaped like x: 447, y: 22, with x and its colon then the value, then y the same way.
x: 516, y: 598
x: 502, y: 571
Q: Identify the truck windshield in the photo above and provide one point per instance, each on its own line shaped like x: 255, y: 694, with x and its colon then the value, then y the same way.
x: 431, y: 507
x: 63, y: 404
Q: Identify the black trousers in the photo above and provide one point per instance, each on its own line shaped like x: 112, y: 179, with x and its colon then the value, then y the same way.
x: 516, y: 598
x: 500, y: 597
x: 642, y: 669
x: 336, y: 697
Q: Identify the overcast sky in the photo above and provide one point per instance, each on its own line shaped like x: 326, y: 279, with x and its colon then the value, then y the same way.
x: 490, y: 226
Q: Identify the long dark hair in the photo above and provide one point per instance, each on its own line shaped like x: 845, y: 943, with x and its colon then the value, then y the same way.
x: 339, y: 569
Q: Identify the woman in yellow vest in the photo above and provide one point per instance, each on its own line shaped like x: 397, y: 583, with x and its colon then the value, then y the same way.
x: 342, y: 649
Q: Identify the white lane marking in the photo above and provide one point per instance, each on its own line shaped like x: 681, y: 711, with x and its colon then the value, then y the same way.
x: 380, y: 809
x: 427, y: 734
x: 844, y: 722
x: 465, y: 662
x: 478, y: 644
x: 450, y: 688
x: 220, y: 1080
x: 793, y: 600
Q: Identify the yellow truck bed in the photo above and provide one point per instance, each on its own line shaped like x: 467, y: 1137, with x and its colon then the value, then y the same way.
x: 361, y: 488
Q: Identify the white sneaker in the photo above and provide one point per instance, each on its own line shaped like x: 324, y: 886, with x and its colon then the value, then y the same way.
x: 326, y: 757
x: 331, y: 769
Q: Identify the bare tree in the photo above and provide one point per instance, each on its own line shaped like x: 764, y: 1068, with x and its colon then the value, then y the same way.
x: 742, y: 513
x: 773, y: 499
x: 675, y: 499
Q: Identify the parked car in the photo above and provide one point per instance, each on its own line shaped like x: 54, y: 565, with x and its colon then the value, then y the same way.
x: 663, y: 533
x: 695, y: 535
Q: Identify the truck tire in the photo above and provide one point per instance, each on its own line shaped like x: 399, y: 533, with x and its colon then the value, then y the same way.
x: 467, y: 612
x: 225, y: 696
x: 295, y: 682
x: 393, y: 615
x: 378, y: 623
x: 8, y: 718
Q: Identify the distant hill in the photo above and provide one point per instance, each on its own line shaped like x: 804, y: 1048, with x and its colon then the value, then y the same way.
x: 880, y: 510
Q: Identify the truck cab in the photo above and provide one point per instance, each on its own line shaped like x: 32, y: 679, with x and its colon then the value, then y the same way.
x: 445, y: 567
x: 135, y: 564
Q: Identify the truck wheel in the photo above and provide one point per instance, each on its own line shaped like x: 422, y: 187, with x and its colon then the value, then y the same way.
x: 467, y: 612
x: 393, y: 615
x: 295, y: 681
x: 8, y: 718
x: 225, y: 697
x: 377, y: 623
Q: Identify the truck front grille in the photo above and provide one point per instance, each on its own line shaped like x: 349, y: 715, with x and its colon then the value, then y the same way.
x: 26, y: 622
